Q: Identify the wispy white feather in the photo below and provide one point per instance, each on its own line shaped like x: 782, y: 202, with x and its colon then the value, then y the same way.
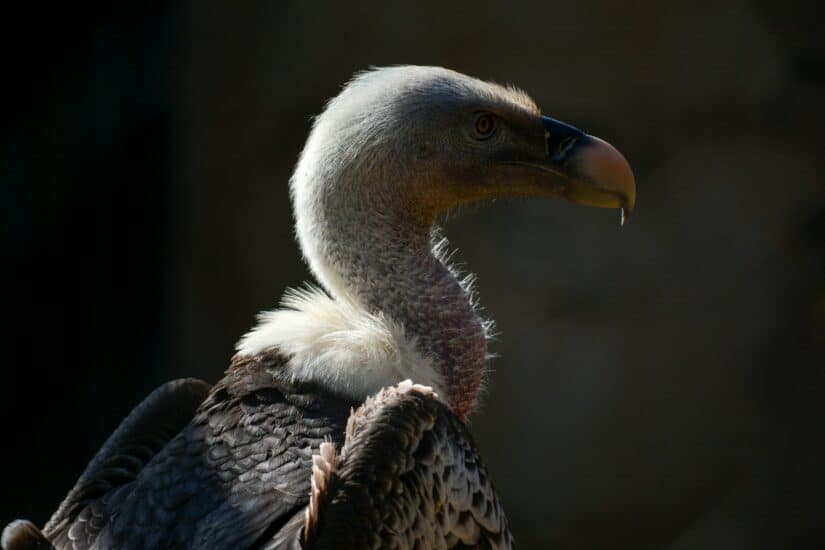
x: 340, y: 344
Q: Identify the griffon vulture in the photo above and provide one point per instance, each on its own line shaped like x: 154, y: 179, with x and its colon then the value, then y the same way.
x: 340, y: 422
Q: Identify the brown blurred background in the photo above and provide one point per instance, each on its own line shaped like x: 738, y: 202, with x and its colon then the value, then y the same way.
x: 659, y: 385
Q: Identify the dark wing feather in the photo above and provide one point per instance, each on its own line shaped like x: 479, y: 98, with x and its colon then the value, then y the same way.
x: 240, y: 472
x: 288, y: 536
x: 139, y: 437
x: 232, y: 477
x: 408, y: 476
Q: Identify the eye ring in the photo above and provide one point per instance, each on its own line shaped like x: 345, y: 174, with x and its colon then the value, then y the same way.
x: 484, y: 125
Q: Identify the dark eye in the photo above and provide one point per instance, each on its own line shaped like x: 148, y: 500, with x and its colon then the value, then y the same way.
x: 485, y: 125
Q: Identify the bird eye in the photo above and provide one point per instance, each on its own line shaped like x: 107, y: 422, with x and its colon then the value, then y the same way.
x: 485, y: 125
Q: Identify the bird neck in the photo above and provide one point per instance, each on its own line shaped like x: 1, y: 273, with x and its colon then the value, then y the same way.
x: 382, y: 257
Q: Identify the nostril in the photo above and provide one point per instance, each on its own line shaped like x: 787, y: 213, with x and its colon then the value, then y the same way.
x: 564, y: 147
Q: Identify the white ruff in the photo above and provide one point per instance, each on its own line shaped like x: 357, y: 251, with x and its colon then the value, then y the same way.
x: 339, y: 345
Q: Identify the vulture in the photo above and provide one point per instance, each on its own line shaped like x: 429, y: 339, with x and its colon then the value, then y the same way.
x: 341, y: 420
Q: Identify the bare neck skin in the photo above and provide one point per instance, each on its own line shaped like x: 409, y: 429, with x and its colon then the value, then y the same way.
x: 378, y: 251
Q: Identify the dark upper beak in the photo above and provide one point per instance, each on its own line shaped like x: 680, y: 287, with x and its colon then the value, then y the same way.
x: 596, y: 174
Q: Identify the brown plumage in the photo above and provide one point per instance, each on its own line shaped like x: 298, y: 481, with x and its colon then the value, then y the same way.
x: 405, y: 452
x: 242, y: 471
x: 236, y: 469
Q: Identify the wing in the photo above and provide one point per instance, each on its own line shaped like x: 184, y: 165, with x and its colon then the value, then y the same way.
x: 232, y: 469
x: 144, y: 432
x: 236, y: 474
x: 408, y: 476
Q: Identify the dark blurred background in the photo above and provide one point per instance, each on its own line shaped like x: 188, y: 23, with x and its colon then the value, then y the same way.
x: 659, y: 385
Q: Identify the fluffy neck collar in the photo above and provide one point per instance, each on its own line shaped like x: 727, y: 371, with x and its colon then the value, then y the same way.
x: 393, y: 310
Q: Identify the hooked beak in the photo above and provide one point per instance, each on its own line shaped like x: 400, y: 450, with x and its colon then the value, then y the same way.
x: 588, y: 170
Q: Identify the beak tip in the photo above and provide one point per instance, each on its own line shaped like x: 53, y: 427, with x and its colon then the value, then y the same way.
x: 607, y: 167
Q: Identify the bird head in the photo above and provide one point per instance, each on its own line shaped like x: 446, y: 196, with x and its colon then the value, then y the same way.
x: 419, y: 141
